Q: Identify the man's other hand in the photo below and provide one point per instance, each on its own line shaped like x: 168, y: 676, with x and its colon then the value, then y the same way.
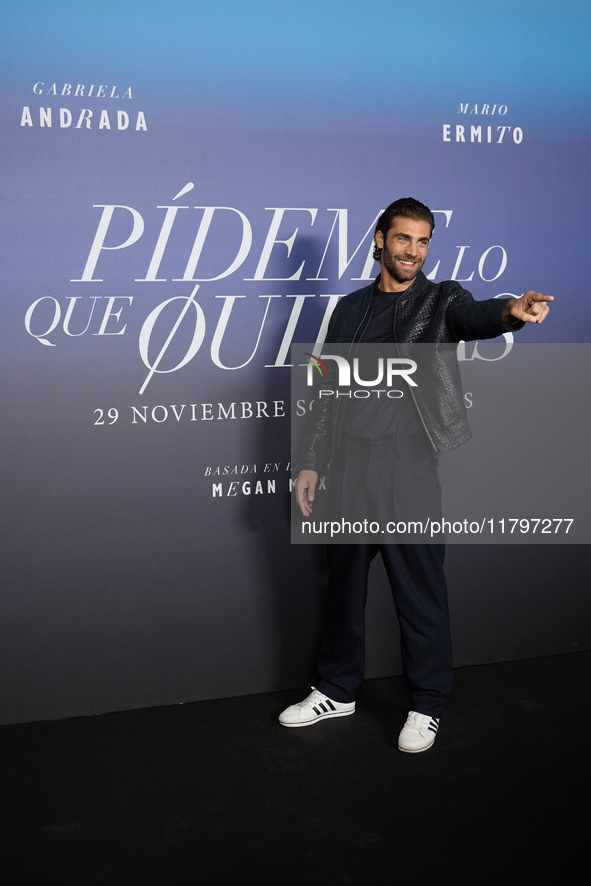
x: 531, y: 308
x: 305, y: 490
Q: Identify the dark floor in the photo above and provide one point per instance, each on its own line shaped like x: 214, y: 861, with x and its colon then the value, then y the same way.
x: 219, y: 793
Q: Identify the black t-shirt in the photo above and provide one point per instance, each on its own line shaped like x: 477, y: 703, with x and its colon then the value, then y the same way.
x: 377, y: 416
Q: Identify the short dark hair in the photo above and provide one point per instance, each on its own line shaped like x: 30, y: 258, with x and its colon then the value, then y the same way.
x: 406, y: 207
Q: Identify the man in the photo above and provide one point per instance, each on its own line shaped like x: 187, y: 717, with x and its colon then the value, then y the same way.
x: 401, y: 306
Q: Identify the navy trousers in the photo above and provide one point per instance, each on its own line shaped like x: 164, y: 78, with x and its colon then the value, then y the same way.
x: 418, y: 586
x: 415, y: 573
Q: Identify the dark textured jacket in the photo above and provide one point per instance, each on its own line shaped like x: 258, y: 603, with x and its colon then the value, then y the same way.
x: 440, y: 314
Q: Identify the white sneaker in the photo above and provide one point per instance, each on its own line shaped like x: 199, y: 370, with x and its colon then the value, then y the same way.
x: 316, y: 707
x: 418, y: 733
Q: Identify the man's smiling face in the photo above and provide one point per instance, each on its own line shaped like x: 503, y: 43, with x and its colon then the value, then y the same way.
x: 404, y: 251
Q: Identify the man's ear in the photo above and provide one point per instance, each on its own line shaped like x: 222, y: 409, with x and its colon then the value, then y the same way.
x: 379, y: 238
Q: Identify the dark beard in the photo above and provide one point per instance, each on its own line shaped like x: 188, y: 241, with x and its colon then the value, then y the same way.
x: 399, y: 274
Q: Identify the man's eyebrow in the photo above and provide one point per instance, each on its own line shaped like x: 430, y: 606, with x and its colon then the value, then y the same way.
x: 408, y: 237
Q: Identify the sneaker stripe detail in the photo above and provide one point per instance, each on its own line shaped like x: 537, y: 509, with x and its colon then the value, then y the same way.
x: 324, y: 707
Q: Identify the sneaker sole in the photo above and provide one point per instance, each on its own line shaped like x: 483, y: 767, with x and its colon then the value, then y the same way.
x: 416, y: 750
x: 317, y: 719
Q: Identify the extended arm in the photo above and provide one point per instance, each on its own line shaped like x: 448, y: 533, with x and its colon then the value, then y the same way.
x: 530, y: 308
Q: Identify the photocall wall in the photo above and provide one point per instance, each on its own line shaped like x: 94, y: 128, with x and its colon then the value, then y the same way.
x: 187, y: 191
